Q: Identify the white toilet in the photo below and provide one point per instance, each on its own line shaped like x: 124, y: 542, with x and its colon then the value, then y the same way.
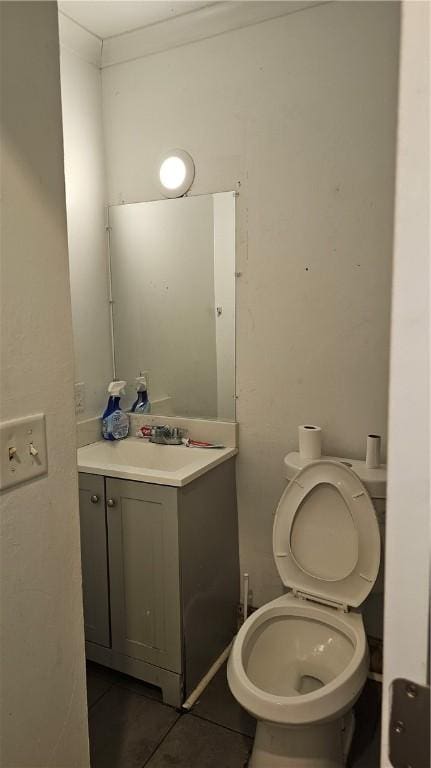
x: 299, y: 663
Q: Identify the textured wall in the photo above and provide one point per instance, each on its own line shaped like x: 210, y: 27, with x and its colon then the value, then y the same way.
x: 42, y: 676
x: 302, y: 111
x: 85, y: 200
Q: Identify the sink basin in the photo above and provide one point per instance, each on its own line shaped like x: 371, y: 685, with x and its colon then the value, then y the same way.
x: 137, y: 459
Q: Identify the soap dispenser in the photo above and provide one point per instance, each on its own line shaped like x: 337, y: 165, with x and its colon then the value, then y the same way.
x: 142, y: 403
x: 115, y: 423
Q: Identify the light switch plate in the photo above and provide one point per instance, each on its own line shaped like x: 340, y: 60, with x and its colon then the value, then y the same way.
x: 23, y: 453
x: 79, y: 397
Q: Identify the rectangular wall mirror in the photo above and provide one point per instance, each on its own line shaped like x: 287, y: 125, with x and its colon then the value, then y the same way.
x: 173, y: 290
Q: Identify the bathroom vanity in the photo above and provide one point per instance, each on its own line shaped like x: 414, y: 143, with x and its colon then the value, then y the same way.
x: 159, y: 542
x: 159, y: 522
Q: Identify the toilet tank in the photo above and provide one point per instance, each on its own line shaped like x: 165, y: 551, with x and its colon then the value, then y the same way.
x: 374, y: 481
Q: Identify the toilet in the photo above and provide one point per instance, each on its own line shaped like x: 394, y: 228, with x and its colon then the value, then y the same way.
x: 299, y: 663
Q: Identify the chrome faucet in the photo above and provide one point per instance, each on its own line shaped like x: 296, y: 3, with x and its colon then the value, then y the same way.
x: 166, y: 435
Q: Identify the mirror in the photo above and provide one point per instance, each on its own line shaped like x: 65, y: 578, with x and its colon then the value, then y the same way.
x: 173, y: 289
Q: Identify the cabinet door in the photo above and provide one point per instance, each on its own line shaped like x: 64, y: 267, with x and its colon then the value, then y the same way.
x: 94, y: 557
x: 144, y: 572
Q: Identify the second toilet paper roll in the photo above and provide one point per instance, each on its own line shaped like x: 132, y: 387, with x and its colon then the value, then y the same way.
x: 310, y: 441
x: 372, y: 458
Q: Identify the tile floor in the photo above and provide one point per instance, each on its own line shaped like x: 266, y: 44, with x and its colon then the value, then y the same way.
x: 130, y: 727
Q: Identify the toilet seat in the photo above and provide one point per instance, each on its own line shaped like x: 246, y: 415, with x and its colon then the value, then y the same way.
x: 326, y: 538
x: 333, y: 698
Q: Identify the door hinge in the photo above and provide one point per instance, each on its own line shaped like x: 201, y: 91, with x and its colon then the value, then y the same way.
x: 409, y: 724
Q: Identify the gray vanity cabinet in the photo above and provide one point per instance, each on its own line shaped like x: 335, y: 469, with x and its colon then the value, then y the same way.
x: 144, y: 572
x: 160, y: 576
x: 94, y: 557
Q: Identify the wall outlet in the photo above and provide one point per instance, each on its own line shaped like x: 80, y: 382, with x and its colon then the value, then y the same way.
x: 79, y: 397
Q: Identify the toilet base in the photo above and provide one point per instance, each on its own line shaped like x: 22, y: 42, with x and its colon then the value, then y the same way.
x: 312, y: 746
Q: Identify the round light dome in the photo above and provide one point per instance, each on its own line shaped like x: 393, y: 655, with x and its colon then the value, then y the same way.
x: 176, y: 173
x: 172, y: 172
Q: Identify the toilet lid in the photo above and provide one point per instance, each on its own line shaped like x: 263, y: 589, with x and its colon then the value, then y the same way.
x: 326, y: 538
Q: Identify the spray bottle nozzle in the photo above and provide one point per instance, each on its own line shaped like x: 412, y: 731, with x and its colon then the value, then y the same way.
x: 116, y: 388
x: 141, y: 381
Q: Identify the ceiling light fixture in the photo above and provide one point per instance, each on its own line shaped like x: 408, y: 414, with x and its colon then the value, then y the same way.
x: 176, y: 173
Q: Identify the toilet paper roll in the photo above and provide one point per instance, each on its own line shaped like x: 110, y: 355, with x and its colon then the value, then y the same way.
x: 310, y: 441
x: 372, y: 456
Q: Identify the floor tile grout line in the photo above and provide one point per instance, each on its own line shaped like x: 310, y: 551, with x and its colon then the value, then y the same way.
x: 226, y: 727
x: 179, y: 716
x: 122, y: 685
x: 99, y: 698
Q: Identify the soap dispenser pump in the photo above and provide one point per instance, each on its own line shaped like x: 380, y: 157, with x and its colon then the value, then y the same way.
x: 115, y: 423
x: 142, y: 403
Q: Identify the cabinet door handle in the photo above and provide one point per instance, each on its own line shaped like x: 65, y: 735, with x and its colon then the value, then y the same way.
x: 111, y: 502
x: 94, y: 499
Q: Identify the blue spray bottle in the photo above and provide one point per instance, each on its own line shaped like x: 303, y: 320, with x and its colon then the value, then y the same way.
x: 115, y: 423
x: 142, y: 403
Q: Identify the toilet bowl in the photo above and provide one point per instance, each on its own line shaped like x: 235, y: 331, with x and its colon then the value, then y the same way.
x: 299, y: 663
x: 297, y: 666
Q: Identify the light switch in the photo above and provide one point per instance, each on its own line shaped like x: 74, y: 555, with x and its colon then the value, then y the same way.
x: 23, y: 450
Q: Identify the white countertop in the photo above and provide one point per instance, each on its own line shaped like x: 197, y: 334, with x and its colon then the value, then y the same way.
x: 138, y: 459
